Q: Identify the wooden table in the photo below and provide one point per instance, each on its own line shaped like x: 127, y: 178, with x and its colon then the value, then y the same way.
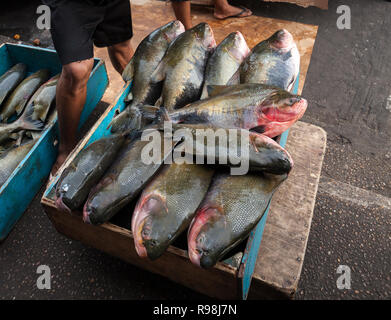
x: 282, y: 251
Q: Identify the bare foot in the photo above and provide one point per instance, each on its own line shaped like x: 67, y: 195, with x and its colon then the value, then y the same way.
x: 231, y: 11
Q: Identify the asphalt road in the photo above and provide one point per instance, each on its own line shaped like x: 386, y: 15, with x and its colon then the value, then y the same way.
x: 348, y: 87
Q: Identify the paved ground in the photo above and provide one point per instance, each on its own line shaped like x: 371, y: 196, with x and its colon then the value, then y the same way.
x: 349, y: 87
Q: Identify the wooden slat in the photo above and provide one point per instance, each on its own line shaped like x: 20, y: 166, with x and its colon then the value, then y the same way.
x: 283, y: 246
x: 219, y: 282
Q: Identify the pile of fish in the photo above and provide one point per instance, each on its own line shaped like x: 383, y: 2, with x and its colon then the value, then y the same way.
x: 183, y: 77
x: 26, y: 107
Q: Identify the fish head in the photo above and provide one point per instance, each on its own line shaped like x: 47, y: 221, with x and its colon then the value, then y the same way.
x: 208, y: 237
x: 204, y: 33
x: 237, y: 46
x: 282, y: 39
x: 282, y: 106
x: 151, y: 228
x: 173, y: 29
x: 100, y: 200
x: 270, y: 152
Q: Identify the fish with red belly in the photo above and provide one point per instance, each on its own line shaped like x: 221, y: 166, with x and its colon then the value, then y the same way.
x: 231, y: 209
x: 258, y: 107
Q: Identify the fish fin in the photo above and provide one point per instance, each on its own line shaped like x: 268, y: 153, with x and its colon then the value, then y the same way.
x: 214, y: 90
x: 204, y: 93
x: 19, y: 109
x: 259, y: 129
x: 35, y: 135
x: 20, y: 138
x: 162, y: 115
x: 235, y: 79
x: 129, y: 97
x: 27, y: 123
x: 159, y: 102
x: 159, y: 73
x: 149, y: 112
x: 128, y: 72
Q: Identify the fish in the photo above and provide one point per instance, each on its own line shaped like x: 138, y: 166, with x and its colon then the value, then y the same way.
x: 24, y: 122
x: 139, y: 70
x: 167, y: 206
x: 239, y: 148
x: 145, y: 60
x: 229, y: 212
x: 225, y: 61
x: 182, y: 67
x: 262, y: 108
x: 125, y: 178
x: 17, y: 101
x: 42, y: 100
x: 85, y: 171
x: 10, y: 80
x: 11, y: 158
x: 274, y: 61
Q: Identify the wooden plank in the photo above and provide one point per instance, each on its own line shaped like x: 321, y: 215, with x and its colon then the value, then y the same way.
x: 251, y: 252
x: 218, y: 282
x: 282, y: 250
x: 323, y: 4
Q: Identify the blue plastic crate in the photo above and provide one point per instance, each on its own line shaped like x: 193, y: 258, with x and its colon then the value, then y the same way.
x: 27, y: 179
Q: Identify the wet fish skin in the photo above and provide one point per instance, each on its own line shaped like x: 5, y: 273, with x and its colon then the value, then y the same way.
x: 145, y: 60
x: 17, y: 101
x: 43, y: 99
x: 262, y: 154
x: 167, y: 205
x: 266, y: 109
x: 231, y: 209
x: 274, y: 61
x: 11, y: 158
x: 11, y: 79
x: 122, y: 182
x: 85, y: 171
x: 183, y: 67
x: 225, y: 61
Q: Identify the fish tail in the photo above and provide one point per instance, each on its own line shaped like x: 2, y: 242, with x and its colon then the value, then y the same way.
x: 26, y: 121
x: 162, y: 115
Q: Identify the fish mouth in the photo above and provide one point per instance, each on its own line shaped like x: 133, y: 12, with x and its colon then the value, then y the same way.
x: 144, y: 207
x: 240, y: 50
x: 196, y: 254
x: 139, y: 240
x: 61, y: 205
x: 86, y: 213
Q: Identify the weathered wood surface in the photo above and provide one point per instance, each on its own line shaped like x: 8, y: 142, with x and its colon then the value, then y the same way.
x: 218, y: 282
x: 323, y: 4
x: 281, y: 255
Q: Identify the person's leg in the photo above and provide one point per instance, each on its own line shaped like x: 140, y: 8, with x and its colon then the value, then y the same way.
x: 70, y: 99
x: 223, y: 10
x: 120, y: 55
x: 182, y: 12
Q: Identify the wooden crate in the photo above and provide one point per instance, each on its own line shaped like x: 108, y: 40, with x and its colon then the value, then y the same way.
x: 27, y: 179
x: 225, y: 281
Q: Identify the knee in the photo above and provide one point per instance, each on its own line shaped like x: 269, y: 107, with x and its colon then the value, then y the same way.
x: 75, y: 75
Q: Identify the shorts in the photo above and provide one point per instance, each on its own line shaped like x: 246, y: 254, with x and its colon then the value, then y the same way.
x: 76, y: 25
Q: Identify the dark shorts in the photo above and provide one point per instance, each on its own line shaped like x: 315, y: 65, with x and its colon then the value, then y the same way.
x: 78, y: 24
